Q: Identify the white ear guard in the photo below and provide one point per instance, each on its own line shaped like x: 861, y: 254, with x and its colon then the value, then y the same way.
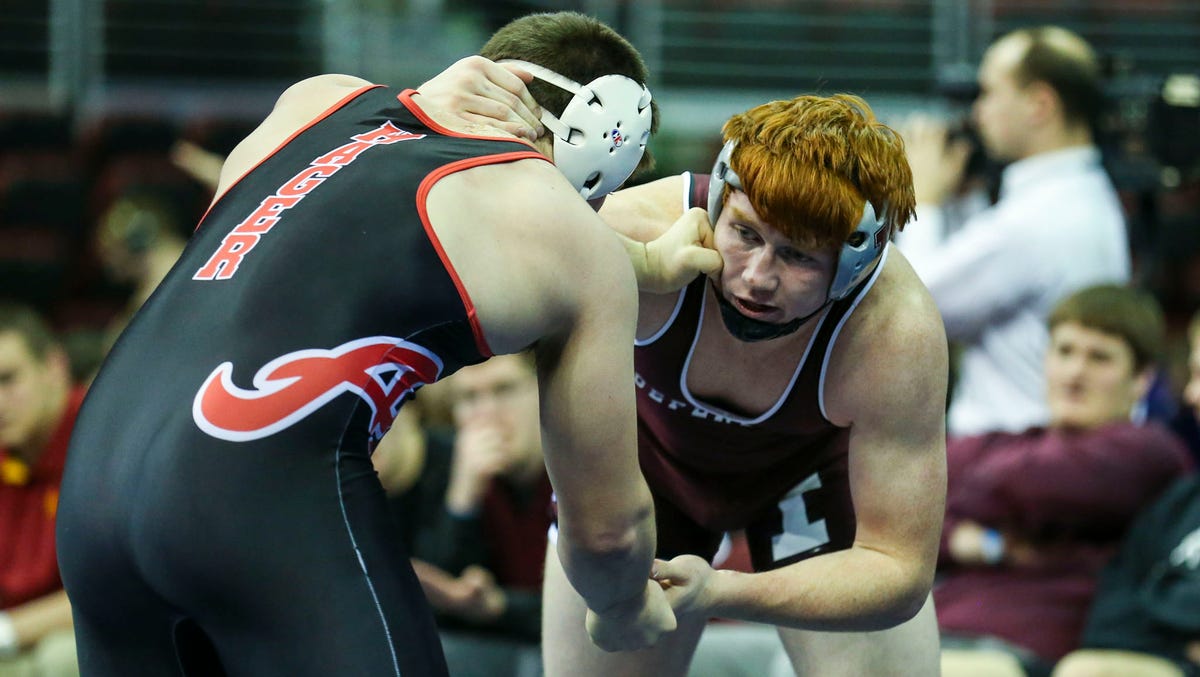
x: 602, y: 133
x: 859, y: 254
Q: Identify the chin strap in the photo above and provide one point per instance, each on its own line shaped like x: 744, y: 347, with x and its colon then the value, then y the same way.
x: 751, y: 330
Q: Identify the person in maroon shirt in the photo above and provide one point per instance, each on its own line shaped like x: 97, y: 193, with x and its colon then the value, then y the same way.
x: 1143, y: 621
x: 1032, y: 517
x: 37, y: 411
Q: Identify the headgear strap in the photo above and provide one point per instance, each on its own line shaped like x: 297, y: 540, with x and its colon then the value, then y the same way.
x: 601, y: 136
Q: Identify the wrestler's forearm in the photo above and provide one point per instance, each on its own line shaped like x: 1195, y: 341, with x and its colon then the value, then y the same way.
x: 855, y: 590
x: 613, y: 574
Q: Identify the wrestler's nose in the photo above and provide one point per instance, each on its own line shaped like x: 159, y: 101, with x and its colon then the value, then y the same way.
x: 759, y: 272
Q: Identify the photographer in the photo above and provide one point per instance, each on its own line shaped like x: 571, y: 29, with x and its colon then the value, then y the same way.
x: 996, y: 277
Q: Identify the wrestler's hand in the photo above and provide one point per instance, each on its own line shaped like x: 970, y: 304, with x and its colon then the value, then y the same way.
x: 687, y: 582
x: 685, y: 251
x: 480, y: 91
x: 633, y: 624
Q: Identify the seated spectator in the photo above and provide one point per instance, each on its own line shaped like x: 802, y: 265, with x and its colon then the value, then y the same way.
x: 1186, y: 422
x: 1168, y: 404
x: 477, y: 511
x: 138, y: 239
x: 37, y: 412
x: 415, y: 491
x: 1032, y: 517
x: 1145, y: 620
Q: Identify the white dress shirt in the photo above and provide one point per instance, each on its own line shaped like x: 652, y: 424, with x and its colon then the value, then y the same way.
x: 1057, y: 227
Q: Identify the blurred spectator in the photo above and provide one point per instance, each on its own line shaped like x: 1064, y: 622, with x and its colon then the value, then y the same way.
x: 416, y: 489
x: 38, y: 406
x: 413, y: 486
x: 85, y: 348
x: 138, y: 239
x: 1058, y: 224
x: 198, y: 162
x: 476, y: 511
x: 1145, y: 620
x: 1032, y: 517
x: 413, y: 462
x: 1187, y: 420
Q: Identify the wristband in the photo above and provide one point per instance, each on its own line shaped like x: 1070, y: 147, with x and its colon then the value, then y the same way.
x: 991, y: 546
x: 8, y: 636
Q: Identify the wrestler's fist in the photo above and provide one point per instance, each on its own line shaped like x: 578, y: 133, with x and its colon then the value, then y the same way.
x: 480, y: 91
x: 687, y: 581
x: 634, y: 624
x: 677, y: 256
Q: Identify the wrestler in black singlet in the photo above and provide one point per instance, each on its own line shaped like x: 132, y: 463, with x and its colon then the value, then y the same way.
x: 220, y: 513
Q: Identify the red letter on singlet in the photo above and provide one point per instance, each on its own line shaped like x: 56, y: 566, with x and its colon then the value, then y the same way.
x: 267, y: 214
x: 342, y: 156
x: 306, y: 181
x: 387, y: 133
x: 225, y: 261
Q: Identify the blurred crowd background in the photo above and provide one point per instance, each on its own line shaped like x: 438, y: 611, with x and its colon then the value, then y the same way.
x: 96, y: 96
x: 116, y: 114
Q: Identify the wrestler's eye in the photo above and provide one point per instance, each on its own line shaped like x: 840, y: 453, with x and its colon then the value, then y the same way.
x: 793, y: 256
x: 746, y: 234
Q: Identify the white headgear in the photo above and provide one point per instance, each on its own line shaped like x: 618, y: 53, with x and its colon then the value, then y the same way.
x: 860, y: 252
x: 602, y: 133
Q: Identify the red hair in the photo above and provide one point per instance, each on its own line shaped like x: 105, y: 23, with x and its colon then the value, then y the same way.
x: 808, y: 165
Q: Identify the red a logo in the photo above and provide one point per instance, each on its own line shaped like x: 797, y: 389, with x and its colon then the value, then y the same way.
x: 382, y: 370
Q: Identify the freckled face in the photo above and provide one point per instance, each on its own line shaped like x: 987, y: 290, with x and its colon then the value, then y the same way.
x: 767, y: 276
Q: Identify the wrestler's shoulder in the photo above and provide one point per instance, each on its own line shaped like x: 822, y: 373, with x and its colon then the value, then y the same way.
x: 899, y: 300
x: 897, y: 320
